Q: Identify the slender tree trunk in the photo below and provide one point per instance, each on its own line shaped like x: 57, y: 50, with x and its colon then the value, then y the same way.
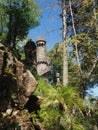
x: 65, y: 65
x: 65, y: 56
x: 76, y: 46
x: 9, y: 36
x: 1, y: 25
x: 15, y: 36
x: 9, y: 30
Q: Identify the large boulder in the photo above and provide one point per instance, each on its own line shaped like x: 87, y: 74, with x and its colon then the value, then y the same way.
x: 16, y: 82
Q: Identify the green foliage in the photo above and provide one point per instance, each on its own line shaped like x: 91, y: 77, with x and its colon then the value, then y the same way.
x: 49, y: 118
x: 64, y: 100
x: 62, y: 108
x: 21, y: 16
x: 57, y: 104
x: 8, y: 72
x: 20, y: 48
x: 82, y: 75
x: 87, y: 50
x: 56, y: 55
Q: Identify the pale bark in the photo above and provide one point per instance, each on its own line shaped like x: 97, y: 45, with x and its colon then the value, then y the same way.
x: 65, y: 56
x: 92, y: 69
x: 73, y: 25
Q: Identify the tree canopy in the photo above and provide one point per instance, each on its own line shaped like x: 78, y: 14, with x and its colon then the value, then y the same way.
x: 17, y: 18
x: 82, y: 44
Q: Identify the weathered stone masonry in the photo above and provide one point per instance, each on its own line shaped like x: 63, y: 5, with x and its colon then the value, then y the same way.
x: 43, y: 62
x: 36, y: 55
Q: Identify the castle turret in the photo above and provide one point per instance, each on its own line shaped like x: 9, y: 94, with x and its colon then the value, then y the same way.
x: 43, y: 62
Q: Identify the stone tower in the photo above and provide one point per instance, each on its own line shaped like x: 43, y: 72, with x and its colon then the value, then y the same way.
x: 30, y: 53
x: 43, y: 62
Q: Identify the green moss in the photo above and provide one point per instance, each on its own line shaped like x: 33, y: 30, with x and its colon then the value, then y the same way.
x: 9, y: 73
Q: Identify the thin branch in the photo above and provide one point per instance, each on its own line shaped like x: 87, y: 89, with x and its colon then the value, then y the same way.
x: 92, y: 69
x: 94, y: 12
x: 73, y: 25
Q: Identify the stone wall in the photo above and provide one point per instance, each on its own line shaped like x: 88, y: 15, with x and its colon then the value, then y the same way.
x: 16, y: 82
x: 43, y: 62
x: 36, y: 56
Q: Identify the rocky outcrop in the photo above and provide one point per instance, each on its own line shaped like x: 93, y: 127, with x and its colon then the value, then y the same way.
x: 16, y: 82
x: 19, y: 120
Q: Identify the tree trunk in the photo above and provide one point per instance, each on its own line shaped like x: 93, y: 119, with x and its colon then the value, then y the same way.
x: 14, y: 37
x: 74, y: 30
x: 1, y: 25
x: 65, y: 56
x: 9, y: 37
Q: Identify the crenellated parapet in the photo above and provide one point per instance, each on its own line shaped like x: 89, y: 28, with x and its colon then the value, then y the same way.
x: 41, y: 41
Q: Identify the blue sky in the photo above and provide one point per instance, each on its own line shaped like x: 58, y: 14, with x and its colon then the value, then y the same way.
x: 50, y: 23
x: 94, y: 91
x: 50, y: 26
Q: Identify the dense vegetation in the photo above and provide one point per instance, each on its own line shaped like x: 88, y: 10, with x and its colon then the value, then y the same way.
x: 16, y: 19
x: 60, y: 107
x: 82, y: 45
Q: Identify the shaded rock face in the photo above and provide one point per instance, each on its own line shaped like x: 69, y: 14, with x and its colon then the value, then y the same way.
x: 16, y: 82
x: 30, y: 53
x: 33, y: 104
x: 19, y: 120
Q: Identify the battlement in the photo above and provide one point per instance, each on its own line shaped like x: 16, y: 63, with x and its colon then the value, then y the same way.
x: 40, y: 41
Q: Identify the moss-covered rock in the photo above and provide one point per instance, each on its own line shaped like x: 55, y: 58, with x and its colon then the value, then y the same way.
x: 16, y: 82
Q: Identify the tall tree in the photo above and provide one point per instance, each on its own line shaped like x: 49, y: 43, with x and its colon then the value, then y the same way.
x: 64, y: 34
x: 86, y: 37
x: 74, y: 30
x: 83, y: 38
x: 21, y: 16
